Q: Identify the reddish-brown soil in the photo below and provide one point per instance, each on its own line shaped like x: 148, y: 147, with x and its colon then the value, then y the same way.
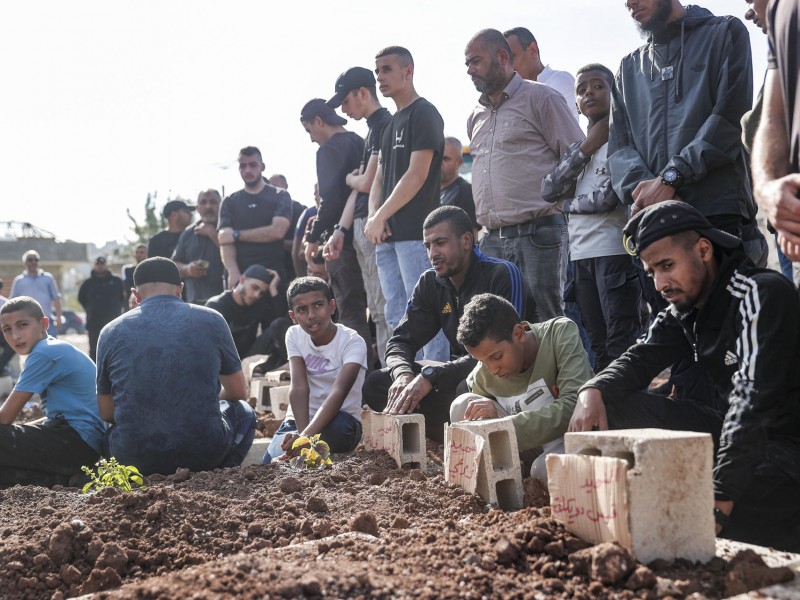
x: 362, y: 529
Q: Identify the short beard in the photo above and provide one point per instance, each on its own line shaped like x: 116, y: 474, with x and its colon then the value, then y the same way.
x: 493, y: 81
x: 658, y: 22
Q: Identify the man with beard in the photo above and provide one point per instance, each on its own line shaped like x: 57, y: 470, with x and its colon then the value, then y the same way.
x: 740, y: 324
x: 518, y: 134
x: 197, y: 252
x: 676, y: 110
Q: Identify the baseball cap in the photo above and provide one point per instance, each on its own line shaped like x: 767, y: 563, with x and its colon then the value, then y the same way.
x: 318, y: 108
x: 100, y: 259
x: 352, y: 79
x: 156, y: 270
x: 259, y: 272
x: 669, y: 218
x: 174, y: 205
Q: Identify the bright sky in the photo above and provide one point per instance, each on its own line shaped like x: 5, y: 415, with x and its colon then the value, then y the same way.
x: 105, y: 101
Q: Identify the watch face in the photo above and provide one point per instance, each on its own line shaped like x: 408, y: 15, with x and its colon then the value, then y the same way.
x: 670, y: 175
x: 428, y: 372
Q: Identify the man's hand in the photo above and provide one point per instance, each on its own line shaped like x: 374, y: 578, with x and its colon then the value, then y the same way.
x: 597, y: 136
x: 376, y: 229
x: 779, y: 198
x: 349, y: 179
x: 196, y: 269
x: 273, y: 285
x: 481, y: 408
x: 590, y: 412
x: 311, y: 250
x: 408, y: 399
x: 208, y: 230
x: 225, y: 236
x: 649, y: 192
x: 333, y: 247
x: 395, y: 390
x: 726, y: 506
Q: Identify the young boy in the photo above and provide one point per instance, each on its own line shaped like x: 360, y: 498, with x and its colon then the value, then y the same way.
x: 327, y: 363
x: 50, y: 452
x: 528, y: 372
x: 607, y: 287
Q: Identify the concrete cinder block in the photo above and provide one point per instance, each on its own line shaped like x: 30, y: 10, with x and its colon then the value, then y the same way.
x: 280, y: 376
x: 670, y: 490
x: 499, y: 476
x: 260, y: 394
x: 278, y: 400
x: 402, y: 436
x: 256, y: 452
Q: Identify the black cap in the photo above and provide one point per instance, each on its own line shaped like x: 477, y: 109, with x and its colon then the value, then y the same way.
x: 669, y: 218
x: 174, y: 205
x: 156, y: 270
x: 100, y: 259
x: 318, y: 108
x: 259, y: 272
x: 352, y: 79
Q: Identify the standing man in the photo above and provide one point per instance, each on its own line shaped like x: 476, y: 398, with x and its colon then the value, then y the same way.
x: 139, y: 254
x: 103, y: 298
x: 518, y: 133
x: 528, y: 63
x: 338, y: 155
x: 406, y: 186
x: 170, y: 381
x: 454, y: 190
x: 178, y: 215
x: 676, y: 110
x: 41, y: 286
x: 197, y: 252
x: 253, y: 221
x: 776, y: 152
x: 356, y: 94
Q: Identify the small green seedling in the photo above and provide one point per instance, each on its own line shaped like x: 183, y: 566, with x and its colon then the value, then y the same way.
x: 111, y: 474
x: 315, y: 455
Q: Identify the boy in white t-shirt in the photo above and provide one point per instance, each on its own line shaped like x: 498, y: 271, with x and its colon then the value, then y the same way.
x: 327, y: 363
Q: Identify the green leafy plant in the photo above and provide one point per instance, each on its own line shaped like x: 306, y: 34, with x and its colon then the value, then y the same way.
x: 315, y: 453
x: 111, y: 474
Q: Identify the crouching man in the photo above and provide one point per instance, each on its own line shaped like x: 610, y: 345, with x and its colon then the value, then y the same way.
x: 47, y: 453
x: 742, y: 325
x: 160, y: 368
x: 528, y: 372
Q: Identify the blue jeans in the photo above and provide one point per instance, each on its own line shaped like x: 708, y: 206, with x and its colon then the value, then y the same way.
x: 542, y: 259
x: 240, y: 420
x: 400, y: 265
x: 342, y: 435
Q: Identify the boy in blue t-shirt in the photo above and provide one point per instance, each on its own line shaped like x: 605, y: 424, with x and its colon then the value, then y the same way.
x: 50, y: 452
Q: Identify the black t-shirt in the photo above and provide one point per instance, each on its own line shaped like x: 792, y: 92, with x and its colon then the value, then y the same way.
x: 243, y: 321
x: 784, y: 55
x: 336, y: 158
x: 242, y: 210
x: 199, y: 247
x: 163, y: 244
x: 418, y: 126
x: 376, y: 122
x: 459, y: 193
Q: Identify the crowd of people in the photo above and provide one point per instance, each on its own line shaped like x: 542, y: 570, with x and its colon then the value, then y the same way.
x: 551, y: 290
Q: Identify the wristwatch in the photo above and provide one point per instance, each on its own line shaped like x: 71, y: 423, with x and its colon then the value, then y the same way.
x: 236, y: 234
x: 432, y: 375
x: 672, y: 177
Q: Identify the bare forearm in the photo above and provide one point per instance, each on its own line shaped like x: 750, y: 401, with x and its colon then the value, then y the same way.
x: 298, y: 399
x: 376, y: 193
x: 228, y: 255
x: 346, y: 220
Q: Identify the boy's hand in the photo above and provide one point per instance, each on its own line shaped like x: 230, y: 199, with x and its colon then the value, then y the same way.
x: 590, y: 412
x: 597, y: 136
x: 483, y: 408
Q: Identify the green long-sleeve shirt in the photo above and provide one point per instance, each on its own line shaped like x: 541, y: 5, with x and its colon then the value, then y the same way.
x: 540, y: 401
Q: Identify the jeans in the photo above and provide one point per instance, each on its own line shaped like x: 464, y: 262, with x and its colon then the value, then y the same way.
x: 608, y: 294
x: 348, y: 289
x: 400, y: 265
x: 240, y: 420
x: 342, y: 434
x: 365, y: 252
x: 542, y: 259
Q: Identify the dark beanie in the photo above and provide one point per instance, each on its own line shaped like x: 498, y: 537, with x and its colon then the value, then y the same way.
x: 156, y: 270
x: 259, y: 272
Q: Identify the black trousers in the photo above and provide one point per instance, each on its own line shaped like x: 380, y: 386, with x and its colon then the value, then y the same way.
x: 45, y: 454
x: 435, y: 407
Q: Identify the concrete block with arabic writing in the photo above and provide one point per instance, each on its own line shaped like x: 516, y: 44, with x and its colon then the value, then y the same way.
x: 278, y: 400
x: 484, y: 459
x: 402, y: 436
x: 663, y: 492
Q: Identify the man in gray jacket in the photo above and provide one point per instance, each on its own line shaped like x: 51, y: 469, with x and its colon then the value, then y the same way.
x: 676, y: 109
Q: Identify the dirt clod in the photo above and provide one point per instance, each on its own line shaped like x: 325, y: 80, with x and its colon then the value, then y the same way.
x: 365, y: 522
